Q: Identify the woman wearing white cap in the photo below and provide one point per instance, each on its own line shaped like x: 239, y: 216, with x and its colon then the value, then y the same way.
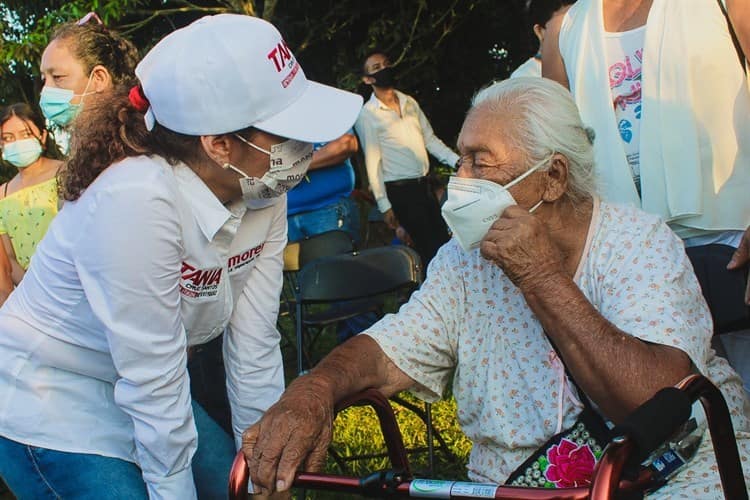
x: 172, y: 235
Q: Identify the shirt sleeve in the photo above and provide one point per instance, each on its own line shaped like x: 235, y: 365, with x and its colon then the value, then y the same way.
x: 648, y: 289
x: 422, y: 338
x: 370, y: 145
x: 252, y: 356
x: 129, y: 264
x: 434, y: 145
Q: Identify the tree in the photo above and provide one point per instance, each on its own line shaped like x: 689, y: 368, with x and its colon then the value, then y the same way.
x: 445, y: 49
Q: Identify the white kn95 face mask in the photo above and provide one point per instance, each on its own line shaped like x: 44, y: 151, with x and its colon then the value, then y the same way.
x: 473, y: 205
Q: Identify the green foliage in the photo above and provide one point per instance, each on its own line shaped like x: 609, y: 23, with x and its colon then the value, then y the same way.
x: 25, y: 33
x: 445, y: 49
x: 27, y: 26
x: 357, y: 432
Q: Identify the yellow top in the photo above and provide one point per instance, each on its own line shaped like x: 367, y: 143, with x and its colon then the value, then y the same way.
x: 25, y: 216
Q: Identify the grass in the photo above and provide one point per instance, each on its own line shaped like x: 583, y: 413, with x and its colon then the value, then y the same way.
x: 357, y: 430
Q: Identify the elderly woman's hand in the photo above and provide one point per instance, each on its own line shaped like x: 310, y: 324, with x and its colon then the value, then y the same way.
x: 520, y: 244
x: 295, y: 431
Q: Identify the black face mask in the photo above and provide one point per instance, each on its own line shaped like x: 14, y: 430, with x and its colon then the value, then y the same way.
x: 384, y: 77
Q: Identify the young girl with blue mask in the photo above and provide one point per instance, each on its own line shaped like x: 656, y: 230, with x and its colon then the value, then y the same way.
x: 83, y: 59
x: 28, y: 202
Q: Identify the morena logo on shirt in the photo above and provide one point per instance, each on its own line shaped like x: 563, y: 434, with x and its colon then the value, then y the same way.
x: 240, y: 260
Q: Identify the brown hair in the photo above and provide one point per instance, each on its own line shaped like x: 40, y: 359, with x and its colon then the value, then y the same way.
x: 27, y: 114
x: 115, y: 130
x: 93, y: 44
x: 369, y: 54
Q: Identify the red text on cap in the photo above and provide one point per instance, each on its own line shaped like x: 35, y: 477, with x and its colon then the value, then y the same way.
x: 280, y: 55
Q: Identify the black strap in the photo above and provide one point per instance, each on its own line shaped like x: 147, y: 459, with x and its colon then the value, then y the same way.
x: 5, y: 191
x: 733, y: 34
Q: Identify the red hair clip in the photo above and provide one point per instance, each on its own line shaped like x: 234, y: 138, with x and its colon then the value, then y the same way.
x: 138, y: 100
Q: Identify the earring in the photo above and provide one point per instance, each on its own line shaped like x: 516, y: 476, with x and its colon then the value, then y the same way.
x: 227, y: 166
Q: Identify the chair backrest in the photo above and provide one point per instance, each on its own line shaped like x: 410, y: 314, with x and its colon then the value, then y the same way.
x: 299, y: 253
x: 356, y: 275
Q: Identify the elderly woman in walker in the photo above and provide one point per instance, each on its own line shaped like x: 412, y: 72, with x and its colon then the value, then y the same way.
x: 558, y: 312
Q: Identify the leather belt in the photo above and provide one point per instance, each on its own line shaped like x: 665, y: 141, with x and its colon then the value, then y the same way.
x: 407, y: 182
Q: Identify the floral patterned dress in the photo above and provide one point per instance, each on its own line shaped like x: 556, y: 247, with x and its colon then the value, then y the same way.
x: 509, y: 385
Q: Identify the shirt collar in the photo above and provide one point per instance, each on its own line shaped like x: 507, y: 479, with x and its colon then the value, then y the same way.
x: 209, y: 212
x: 378, y: 103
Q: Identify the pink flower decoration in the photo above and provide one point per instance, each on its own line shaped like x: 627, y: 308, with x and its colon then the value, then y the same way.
x: 570, y: 465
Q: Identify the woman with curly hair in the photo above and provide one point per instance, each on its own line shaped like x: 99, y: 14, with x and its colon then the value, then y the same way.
x: 82, y: 60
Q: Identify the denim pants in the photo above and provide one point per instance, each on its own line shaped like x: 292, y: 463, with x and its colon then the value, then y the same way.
x: 208, y: 381
x: 343, y: 215
x: 39, y: 473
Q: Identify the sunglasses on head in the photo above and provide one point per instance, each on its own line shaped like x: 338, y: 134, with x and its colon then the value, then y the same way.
x: 88, y: 17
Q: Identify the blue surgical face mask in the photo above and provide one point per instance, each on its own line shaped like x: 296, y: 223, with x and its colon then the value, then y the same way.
x: 22, y: 153
x: 56, y: 105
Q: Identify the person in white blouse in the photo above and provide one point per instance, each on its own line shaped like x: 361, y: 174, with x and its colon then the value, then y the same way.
x: 547, y: 296
x: 395, y: 137
x: 172, y: 234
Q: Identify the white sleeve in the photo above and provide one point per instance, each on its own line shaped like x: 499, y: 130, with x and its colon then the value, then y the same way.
x: 129, y: 264
x: 370, y: 144
x: 252, y: 356
x: 434, y: 145
x: 422, y: 338
x: 648, y: 289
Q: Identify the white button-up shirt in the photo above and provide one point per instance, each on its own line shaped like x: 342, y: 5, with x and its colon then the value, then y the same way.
x: 93, y: 343
x: 395, y: 147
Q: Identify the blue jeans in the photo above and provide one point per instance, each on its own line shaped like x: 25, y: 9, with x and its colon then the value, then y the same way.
x: 39, y: 473
x: 343, y: 215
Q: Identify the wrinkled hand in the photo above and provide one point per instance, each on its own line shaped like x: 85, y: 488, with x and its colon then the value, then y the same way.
x: 390, y: 219
x: 741, y: 258
x: 520, y: 244
x: 294, y: 432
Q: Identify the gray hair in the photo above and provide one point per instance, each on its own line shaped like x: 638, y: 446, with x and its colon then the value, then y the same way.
x: 544, y: 120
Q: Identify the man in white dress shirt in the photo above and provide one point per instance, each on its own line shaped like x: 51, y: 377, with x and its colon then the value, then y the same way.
x: 395, y: 137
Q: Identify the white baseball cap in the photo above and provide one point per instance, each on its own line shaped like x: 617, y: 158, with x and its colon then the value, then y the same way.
x: 228, y: 72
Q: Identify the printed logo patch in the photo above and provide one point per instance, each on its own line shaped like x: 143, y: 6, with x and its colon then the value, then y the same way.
x: 199, y: 283
x: 239, y: 261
